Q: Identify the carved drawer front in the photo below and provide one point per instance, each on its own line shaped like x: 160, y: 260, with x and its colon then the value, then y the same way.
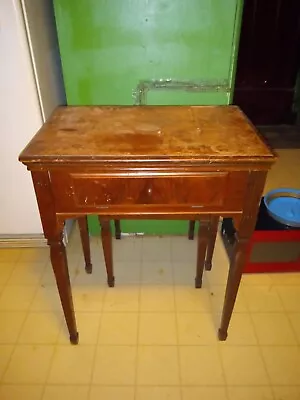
x: 92, y: 190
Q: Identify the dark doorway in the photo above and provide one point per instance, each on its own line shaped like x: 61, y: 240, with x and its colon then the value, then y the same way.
x: 268, y: 61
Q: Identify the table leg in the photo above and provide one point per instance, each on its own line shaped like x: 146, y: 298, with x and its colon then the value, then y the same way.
x: 203, y: 237
x: 191, y: 230
x: 85, y: 241
x: 117, y: 228
x: 107, y: 250
x: 213, y: 230
x: 60, y: 267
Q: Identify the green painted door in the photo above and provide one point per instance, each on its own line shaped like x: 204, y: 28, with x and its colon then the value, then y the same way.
x: 109, y: 46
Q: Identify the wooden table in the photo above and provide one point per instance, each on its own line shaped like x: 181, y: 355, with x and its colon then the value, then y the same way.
x: 148, y: 162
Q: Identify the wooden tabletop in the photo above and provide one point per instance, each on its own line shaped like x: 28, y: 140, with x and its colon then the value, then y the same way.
x: 103, y: 133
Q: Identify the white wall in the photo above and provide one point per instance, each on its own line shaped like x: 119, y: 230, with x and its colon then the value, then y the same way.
x: 21, y: 112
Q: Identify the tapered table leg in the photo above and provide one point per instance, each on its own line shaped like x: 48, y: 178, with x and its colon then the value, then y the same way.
x: 117, y: 228
x: 107, y: 250
x: 85, y: 242
x: 213, y: 230
x: 203, y: 236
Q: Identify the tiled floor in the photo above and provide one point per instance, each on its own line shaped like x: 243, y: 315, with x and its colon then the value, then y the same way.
x: 153, y: 336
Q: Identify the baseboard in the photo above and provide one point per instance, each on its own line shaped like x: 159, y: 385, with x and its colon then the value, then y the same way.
x: 32, y: 240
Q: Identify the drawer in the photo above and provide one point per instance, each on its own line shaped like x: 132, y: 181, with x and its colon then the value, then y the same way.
x: 98, y: 191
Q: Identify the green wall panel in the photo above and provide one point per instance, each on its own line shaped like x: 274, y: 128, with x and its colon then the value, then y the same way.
x: 108, y: 46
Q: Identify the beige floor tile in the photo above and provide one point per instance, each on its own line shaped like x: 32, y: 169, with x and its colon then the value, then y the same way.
x: 24, y: 392
x: 29, y: 364
x: 283, y: 364
x: 35, y: 255
x: 250, y: 393
x: 5, y: 355
x: 11, y: 324
x: 17, y: 297
x: 184, y: 273
x: 158, y: 365
x: 256, y: 280
x: 192, y: 300
x: 290, y: 296
x: 112, y: 393
x: 118, y: 329
x: 122, y: 299
x: 262, y: 298
x: 243, y: 366
x: 196, y: 329
x: 295, y: 321
x: 89, y: 299
x: 27, y: 273
x: 285, y: 278
x: 219, y: 272
x: 66, y: 393
x: 201, y: 365
x: 183, y: 249
x: 72, y: 365
x: 157, y: 273
x: 197, y: 393
x: 240, y: 331
x: 217, y: 295
x: 87, y: 325
x: 157, y: 329
x: 127, y: 273
x: 286, y: 393
x: 46, y: 299
x: 128, y: 248
x: 273, y: 329
x: 157, y: 298
x: 156, y: 249
x: 9, y: 255
x: 95, y: 279
x: 6, y: 270
x: 157, y: 393
x: 41, y: 328
x: 115, y: 365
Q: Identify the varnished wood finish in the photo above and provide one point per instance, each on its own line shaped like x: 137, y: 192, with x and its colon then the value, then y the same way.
x: 117, y: 228
x: 165, y: 162
x: 212, y: 234
x: 85, y: 241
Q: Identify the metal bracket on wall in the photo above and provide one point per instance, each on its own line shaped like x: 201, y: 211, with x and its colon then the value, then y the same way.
x: 140, y: 93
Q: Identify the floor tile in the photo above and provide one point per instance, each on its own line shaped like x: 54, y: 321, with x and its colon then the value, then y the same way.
x: 11, y: 323
x: 240, y: 331
x: 41, y: 328
x: 243, y: 366
x: 192, y: 300
x: 24, y: 392
x: 46, y: 299
x: 273, y: 329
x: 17, y: 297
x: 27, y: 273
x: 35, y: 254
x: 217, y: 296
x: 183, y: 249
x: 250, y: 393
x: 157, y: 393
x: 157, y: 299
x: 197, y: 393
x: 122, y: 299
x: 262, y: 299
x: 5, y: 355
x: 6, y: 269
x: 157, y: 272
x: 283, y: 364
x: 66, y: 392
x: 118, y: 329
x: 184, y: 273
x: 158, y: 365
x: 286, y: 393
x: 200, y: 365
x: 289, y: 278
x: 88, y: 299
x: 295, y: 322
x: 10, y: 255
x: 72, y: 365
x: 87, y: 325
x: 196, y: 329
x: 156, y: 249
x: 127, y: 272
x: 115, y: 365
x: 29, y: 364
x: 157, y: 329
x: 256, y: 280
x: 290, y: 296
x: 128, y: 248
x: 112, y: 393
